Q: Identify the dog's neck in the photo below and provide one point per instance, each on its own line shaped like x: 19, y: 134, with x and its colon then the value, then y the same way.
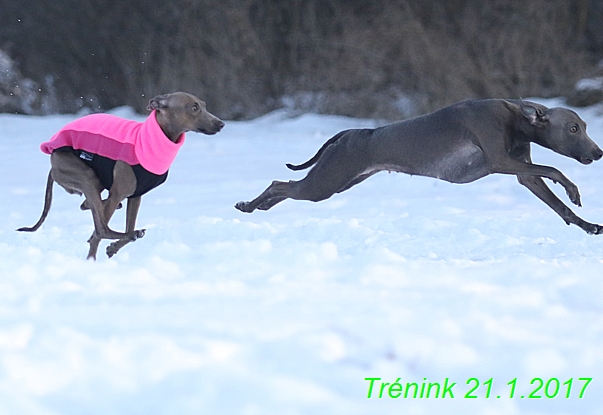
x: 171, y: 133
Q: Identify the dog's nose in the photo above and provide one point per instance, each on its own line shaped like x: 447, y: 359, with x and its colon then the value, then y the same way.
x: 219, y: 124
x: 598, y: 154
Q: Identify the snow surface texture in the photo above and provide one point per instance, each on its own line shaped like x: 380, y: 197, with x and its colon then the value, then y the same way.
x: 288, y: 311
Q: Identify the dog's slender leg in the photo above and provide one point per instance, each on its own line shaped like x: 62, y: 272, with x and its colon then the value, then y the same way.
x: 100, y: 217
x: 94, y: 241
x: 275, y: 193
x: 279, y: 191
x: 76, y: 177
x: 131, y: 215
x: 338, y: 168
x: 84, y: 205
x: 271, y: 202
x: 519, y: 168
x: 323, y: 181
x: 124, y: 185
x: 539, y: 188
x: 101, y: 214
x: 298, y: 190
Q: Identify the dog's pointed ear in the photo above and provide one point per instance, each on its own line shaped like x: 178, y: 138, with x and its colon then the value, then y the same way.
x: 535, y: 115
x: 158, y: 103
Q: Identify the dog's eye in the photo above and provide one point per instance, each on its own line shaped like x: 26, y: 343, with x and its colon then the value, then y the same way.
x: 195, y: 107
x: 574, y: 129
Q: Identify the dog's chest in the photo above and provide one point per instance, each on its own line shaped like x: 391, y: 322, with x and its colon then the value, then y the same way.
x: 464, y: 165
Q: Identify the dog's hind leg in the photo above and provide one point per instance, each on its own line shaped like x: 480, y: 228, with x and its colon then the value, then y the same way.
x: 337, y: 170
x: 275, y: 193
x: 271, y: 202
x: 75, y: 176
x: 279, y: 191
x: 298, y: 190
x: 318, y: 185
x: 339, y: 166
x: 357, y: 180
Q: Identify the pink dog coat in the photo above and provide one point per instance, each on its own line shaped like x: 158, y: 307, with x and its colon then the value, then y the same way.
x: 113, y: 137
x: 101, y: 139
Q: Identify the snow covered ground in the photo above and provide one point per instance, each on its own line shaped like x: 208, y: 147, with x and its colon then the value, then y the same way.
x: 287, y: 312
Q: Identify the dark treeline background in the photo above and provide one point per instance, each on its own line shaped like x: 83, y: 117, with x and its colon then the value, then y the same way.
x: 367, y: 58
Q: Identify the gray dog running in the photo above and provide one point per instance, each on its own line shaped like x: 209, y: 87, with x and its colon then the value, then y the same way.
x: 460, y: 144
x: 128, y: 158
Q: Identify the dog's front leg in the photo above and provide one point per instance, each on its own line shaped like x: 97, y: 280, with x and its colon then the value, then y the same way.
x: 124, y: 185
x: 539, y: 188
x: 94, y: 240
x: 102, y: 211
x: 131, y: 215
x: 508, y: 165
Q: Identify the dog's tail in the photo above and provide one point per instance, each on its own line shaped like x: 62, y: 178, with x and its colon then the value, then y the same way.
x: 314, y: 159
x: 47, y: 202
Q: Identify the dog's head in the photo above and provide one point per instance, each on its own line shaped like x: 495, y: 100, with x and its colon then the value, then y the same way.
x: 562, y: 131
x: 179, y: 112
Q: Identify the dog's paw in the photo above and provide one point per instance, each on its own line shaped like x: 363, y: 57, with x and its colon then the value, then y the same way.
x: 139, y: 234
x: 574, y: 195
x: 244, y: 207
x: 112, y: 249
x: 590, y: 228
